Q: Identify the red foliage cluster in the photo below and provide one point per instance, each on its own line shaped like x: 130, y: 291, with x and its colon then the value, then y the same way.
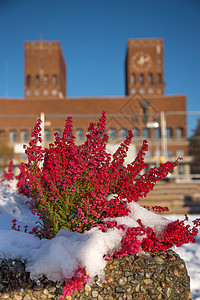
x: 8, y: 175
x: 76, y: 283
x: 176, y: 234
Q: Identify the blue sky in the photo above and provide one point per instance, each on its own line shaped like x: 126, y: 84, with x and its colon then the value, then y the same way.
x: 93, y: 35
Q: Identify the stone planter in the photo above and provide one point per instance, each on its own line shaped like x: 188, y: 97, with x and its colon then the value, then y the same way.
x: 160, y: 276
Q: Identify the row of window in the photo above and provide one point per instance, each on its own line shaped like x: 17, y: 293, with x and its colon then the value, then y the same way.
x: 147, y: 90
x: 112, y: 132
x: 158, y: 153
x: 45, y: 92
x: 146, y: 133
x: 36, y: 81
x: 143, y: 79
x: 24, y: 137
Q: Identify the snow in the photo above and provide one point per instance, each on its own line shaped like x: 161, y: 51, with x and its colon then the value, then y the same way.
x: 59, y: 258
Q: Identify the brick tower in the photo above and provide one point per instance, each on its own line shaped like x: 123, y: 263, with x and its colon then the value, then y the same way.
x: 144, y: 67
x: 44, y: 70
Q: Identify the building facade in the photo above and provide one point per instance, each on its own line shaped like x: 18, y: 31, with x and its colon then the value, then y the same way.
x: 145, y: 109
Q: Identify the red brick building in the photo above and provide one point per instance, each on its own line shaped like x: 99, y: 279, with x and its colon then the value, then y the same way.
x: 145, y: 109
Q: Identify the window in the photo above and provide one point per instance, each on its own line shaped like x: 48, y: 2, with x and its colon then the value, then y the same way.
x: 2, y: 135
x: 123, y: 133
x: 37, y: 81
x: 54, y: 92
x: 37, y: 93
x: 24, y: 135
x: 46, y: 80
x: 169, y: 153
x: 133, y: 79
x: 45, y: 92
x: 13, y: 135
x: 145, y: 133
x: 150, y: 91
x: 55, y: 80
x: 169, y: 132
x: 146, y: 169
x: 179, y: 132
x: 79, y: 134
x: 28, y: 81
x: 159, y: 78
x: 28, y: 93
x: 47, y: 135
x: 181, y: 169
x: 157, y: 153
x: 156, y: 133
x: 135, y: 132
x: 150, y: 78
x: 133, y: 91
x: 141, y: 79
x: 23, y: 156
x: 180, y: 153
x: 148, y: 153
x: 112, y: 133
x: 159, y: 91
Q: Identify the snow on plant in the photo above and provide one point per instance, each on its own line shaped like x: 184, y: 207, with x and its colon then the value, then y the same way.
x: 82, y: 187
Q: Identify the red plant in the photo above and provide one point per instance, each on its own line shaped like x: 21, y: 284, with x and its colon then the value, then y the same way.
x: 69, y: 184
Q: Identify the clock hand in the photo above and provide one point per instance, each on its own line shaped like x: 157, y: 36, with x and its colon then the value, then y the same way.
x: 142, y: 60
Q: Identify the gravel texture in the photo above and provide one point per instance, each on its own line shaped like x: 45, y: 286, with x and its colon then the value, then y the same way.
x: 162, y: 275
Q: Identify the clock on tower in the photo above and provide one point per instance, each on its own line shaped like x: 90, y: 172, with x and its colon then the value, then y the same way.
x: 141, y: 61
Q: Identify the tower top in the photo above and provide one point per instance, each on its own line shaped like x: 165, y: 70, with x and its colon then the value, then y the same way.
x: 45, y: 70
x: 144, y: 67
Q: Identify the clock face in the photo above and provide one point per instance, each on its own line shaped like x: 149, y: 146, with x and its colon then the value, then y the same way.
x: 141, y: 61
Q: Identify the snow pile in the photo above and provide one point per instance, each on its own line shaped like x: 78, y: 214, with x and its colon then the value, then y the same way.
x: 60, y: 257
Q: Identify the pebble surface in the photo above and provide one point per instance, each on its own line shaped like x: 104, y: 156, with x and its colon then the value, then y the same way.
x: 162, y: 275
